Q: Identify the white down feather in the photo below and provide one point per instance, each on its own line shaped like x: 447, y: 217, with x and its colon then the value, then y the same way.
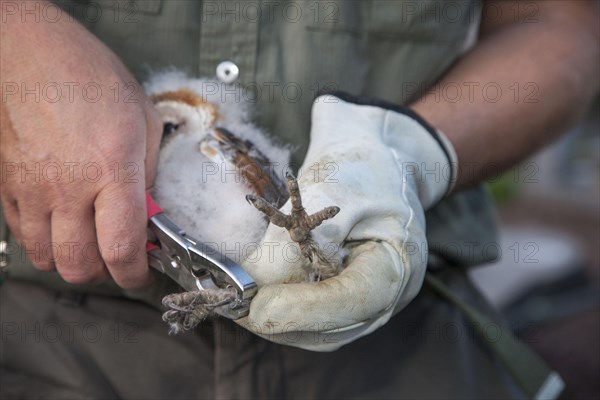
x: 205, y: 198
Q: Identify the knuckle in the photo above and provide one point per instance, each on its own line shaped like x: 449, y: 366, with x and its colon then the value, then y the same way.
x: 78, y: 275
x: 120, y: 255
x: 126, y: 266
x: 39, y: 255
x: 78, y: 271
x: 132, y: 278
x: 43, y: 265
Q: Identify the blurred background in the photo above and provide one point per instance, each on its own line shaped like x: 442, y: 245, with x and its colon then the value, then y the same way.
x: 547, y: 283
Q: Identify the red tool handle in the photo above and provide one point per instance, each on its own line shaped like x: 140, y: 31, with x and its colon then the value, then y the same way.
x: 153, y: 209
x: 152, y: 206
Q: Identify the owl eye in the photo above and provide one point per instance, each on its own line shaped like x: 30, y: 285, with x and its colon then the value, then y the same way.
x: 169, y: 128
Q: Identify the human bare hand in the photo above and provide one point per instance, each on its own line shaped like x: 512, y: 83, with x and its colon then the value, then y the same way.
x: 79, y: 144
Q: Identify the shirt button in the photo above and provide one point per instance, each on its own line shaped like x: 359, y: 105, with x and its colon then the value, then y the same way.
x: 227, y: 71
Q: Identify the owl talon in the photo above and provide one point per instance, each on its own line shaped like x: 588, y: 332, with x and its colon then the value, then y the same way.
x: 299, y: 225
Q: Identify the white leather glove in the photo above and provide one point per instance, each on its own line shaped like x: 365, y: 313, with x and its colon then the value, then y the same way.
x: 383, y: 166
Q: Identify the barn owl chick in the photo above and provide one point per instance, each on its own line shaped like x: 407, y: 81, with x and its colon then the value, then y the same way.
x: 201, y: 189
x: 212, y: 160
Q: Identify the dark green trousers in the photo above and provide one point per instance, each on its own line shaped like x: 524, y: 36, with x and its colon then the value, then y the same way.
x: 68, y: 345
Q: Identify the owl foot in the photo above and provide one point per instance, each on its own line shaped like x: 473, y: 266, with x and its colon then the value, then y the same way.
x: 299, y: 225
x: 187, y: 309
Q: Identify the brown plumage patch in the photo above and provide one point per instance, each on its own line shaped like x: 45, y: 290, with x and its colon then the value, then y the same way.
x: 255, y: 168
x: 185, y: 96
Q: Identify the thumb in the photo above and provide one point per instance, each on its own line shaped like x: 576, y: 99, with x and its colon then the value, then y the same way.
x: 362, y: 291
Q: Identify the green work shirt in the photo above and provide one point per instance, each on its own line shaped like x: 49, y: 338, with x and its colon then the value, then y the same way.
x: 287, y: 51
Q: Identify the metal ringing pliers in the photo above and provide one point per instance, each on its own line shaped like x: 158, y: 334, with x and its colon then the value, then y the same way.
x: 194, y: 265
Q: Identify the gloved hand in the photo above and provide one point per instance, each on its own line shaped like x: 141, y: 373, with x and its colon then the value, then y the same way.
x: 383, y: 166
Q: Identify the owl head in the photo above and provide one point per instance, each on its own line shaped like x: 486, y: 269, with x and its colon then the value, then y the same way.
x: 184, y: 111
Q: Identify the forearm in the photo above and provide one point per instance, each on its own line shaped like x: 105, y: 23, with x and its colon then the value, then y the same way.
x: 557, y: 56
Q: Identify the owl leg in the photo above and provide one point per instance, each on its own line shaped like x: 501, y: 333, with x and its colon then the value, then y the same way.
x: 275, y: 216
x: 187, y: 309
x: 299, y: 224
